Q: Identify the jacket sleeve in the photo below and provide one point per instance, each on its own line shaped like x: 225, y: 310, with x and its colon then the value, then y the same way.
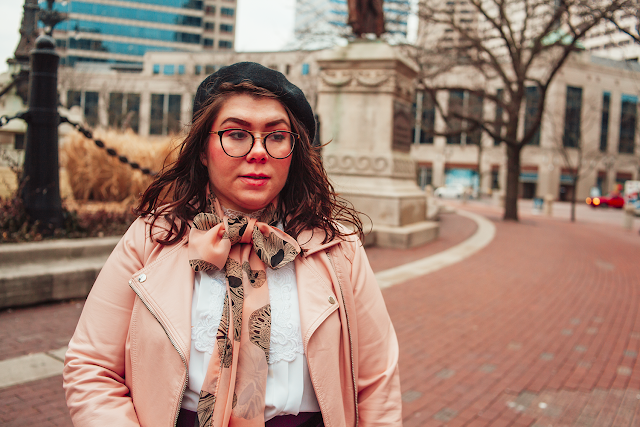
x: 93, y: 376
x: 378, y: 378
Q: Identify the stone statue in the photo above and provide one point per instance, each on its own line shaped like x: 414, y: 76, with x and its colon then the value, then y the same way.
x: 366, y: 16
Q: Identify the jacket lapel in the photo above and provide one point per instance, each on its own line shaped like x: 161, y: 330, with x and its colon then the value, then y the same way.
x: 166, y: 288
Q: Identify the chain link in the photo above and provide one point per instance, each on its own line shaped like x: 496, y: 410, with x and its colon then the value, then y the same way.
x: 110, y: 151
x: 4, y: 120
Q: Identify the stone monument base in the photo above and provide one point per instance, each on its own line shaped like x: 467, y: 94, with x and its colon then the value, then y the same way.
x: 404, y: 237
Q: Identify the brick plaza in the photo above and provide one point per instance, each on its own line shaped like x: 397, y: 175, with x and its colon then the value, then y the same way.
x: 539, y: 328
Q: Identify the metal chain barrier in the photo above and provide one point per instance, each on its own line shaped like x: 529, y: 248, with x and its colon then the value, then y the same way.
x: 4, y: 120
x: 110, y: 151
x: 88, y: 134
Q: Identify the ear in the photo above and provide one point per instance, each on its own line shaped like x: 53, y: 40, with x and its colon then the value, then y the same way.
x: 203, y: 159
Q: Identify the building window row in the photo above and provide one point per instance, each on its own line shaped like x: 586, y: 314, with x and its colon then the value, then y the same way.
x: 75, y: 26
x: 227, y: 11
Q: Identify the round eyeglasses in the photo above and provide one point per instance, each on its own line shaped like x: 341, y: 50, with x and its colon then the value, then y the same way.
x: 239, y: 142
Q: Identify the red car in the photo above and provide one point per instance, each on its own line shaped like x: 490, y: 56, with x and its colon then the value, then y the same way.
x: 613, y: 200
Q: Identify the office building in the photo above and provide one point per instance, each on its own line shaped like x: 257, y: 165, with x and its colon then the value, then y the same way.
x: 120, y: 32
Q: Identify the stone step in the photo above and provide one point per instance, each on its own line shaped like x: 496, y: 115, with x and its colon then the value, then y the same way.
x: 55, y: 250
x: 38, y: 272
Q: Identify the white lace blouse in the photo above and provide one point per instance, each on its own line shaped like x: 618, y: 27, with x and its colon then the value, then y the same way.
x: 289, y: 388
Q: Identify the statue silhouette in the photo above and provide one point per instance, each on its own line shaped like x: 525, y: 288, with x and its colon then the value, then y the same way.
x: 366, y: 16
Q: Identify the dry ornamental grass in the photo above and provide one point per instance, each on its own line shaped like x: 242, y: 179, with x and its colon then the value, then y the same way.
x: 94, y: 175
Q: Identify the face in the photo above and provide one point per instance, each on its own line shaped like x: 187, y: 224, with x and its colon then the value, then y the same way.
x: 251, y: 182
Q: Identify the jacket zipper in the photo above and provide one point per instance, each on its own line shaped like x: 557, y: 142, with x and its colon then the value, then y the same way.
x: 353, y: 375
x: 173, y: 343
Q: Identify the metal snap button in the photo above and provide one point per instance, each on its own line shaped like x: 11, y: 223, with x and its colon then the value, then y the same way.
x: 142, y: 278
x: 331, y: 300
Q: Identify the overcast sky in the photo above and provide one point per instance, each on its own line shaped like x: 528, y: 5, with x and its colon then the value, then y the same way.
x: 261, y: 26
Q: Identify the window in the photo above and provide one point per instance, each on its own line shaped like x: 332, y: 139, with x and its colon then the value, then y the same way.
x: 74, y: 98
x: 426, y: 121
x: 173, y: 114
x: 532, y: 102
x: 305, y: 69
x: 197, y: 70
x: 132, y: 118
x: 18, y: 141
x: 114, y: 113
x: 476, y: 102
x: 169, y: 70
x: 456, y: 103
x: 210, y: 10
x: 226, y: 11
x: 604, y: 124
x: 209, y: 26
x: 124, y: 110
x: 91, y: 108
x: 495, y: 179
x: 181, y: 69
x: 573, y: 108
x: 225, y: 44
x: 499, y: 119
x: 226, y: 28
x: 209, y: 69
x: 156, y: 68
x: 628, y: 119
x: 287, y: 69
x: 425, y: 176
x: 208, y: 42
x: 165, y: 114
x: 157, y: 114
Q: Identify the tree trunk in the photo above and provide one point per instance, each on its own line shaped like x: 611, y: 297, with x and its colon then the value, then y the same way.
x: 513, y: 179
x: 573, y: 199
x: 479, y: 170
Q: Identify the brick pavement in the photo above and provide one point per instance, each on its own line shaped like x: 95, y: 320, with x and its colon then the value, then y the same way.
x: 539, y: 328
x: 454, y: 229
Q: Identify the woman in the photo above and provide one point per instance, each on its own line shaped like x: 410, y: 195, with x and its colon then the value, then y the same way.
x: 236, y: 298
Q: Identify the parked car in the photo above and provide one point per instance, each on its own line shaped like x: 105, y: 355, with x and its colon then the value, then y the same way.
x: 450, y: 191
x: 614, y: 200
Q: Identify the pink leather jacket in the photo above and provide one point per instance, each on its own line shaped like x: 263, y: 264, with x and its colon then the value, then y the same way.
x: 127, y: 361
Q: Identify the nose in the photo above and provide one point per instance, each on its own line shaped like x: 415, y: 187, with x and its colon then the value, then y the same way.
x: 258, y: 152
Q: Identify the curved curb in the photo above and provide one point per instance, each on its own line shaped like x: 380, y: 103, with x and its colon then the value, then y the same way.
x: 482, y: 237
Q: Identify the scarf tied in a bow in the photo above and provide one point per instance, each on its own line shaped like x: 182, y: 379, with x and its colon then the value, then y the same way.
x: 233, y: 392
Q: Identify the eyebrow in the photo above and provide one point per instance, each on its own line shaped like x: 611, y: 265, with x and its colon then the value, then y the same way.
x: 247, y: 124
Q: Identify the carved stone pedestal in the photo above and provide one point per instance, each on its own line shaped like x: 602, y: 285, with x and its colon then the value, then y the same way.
x: 365, y: 95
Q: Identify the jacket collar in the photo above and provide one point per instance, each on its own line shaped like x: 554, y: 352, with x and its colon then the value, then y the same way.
x: 310, y: 241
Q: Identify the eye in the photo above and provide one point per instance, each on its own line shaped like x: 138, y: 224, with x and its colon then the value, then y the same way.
x: 237, y: 134
x: 278, y: 136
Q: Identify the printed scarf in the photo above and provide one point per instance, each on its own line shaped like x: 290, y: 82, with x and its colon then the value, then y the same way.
x: 233, y: 392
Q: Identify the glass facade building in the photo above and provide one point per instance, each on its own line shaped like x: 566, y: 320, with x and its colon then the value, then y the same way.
x: 101, y: 31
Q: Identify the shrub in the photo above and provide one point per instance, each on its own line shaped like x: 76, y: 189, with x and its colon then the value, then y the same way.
x: 16, y: 226
x: 94, y: 175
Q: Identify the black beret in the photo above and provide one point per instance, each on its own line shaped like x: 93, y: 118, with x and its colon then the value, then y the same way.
x: 266, y: 78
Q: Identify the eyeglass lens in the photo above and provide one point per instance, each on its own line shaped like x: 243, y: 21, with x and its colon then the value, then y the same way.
x: 238, y: 143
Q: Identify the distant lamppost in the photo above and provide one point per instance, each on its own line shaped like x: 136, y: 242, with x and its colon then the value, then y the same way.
x: 50, y: 18
x: 608, y: 162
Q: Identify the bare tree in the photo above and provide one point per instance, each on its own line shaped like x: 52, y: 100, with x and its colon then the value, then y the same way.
x: 498, y: 50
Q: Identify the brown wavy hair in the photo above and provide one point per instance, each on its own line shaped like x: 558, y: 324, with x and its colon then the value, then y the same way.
x: 307, y: 201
